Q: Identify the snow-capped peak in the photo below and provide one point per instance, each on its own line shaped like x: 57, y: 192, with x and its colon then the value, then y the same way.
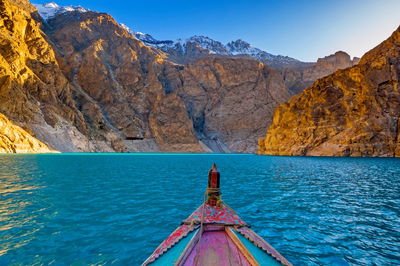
x: 51, y: 5
x: 51, y: 9
x: 238, y: 46
x: 149, y: 40
x: 213, y: 46
x: 126, y: 28
x: 234, y: 48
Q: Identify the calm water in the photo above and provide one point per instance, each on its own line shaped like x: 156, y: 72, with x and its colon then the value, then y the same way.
x: 115, y: 209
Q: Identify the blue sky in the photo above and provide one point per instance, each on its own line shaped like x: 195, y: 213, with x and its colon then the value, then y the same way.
x: 303, y: 29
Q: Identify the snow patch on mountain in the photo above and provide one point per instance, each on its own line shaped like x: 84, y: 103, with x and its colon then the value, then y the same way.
x: 213, y: 46
x: 149, y: 40
x: 204, y: 44
x: 126, y: 28
x: 240, y: 47
x: 49, y: 10
x: 234, y: 48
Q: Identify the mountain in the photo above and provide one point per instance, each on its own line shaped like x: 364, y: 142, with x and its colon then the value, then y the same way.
x: 352, y: 112
x: 78, y: 81
x: 188, y: 50
x: 117, y: 88
x: 140, y: 93
x: 230, y: 100
x: 33, y: 89
x: 297, y: 75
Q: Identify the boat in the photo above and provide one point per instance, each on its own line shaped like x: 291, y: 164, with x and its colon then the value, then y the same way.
x: 214, y: 234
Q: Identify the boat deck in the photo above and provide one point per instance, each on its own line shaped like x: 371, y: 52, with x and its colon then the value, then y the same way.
x: 214, y: 235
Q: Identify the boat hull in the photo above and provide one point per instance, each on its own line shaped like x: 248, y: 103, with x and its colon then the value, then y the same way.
x: 215, y: 235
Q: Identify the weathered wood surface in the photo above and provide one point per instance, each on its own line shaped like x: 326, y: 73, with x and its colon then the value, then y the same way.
x: 216, y: 248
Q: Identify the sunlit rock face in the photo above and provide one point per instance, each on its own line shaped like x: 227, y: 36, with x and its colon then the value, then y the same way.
x: 119, y: 85
x: 353, y: 112
x: 14, y: 139
x: 33, y: 90
x: 90, y: 88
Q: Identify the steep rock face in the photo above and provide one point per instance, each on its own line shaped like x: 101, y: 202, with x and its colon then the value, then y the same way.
x: 229, y: 100
x: 299, y: 78
x: 172, y: 127
x: 117, y: 81
x: 90, y: 88
x: 33, y: 91
x: 115, y: 76
x: 353, y: 112
x: 14, y: 139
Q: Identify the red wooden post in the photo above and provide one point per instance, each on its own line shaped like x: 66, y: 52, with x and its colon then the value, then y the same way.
x: 213, y: 190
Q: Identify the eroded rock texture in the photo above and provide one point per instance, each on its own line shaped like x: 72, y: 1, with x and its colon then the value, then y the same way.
x: 85, y: 84
x: 114, y: 75
x: 353, y: 112
x: 231, y: 100
x: 33, y: 89
x: 298, y: 78
x: 14, y: 139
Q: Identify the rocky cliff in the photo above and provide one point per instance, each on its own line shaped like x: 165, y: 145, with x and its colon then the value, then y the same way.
x: 33, y: 90
x: 118, y: 86
x: 14, y: 139
x: 353, y: 112
x: 230, y: 100
x: 297, y: 78
x: 90, y: 91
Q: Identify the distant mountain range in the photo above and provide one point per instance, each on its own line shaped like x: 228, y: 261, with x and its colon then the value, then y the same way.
x: 190, y: 49
x: 297, y: 75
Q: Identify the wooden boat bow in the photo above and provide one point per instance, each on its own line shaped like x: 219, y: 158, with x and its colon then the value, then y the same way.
x: 214, y: 234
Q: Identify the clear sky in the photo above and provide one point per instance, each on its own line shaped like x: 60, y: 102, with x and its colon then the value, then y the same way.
x: 303, y: 29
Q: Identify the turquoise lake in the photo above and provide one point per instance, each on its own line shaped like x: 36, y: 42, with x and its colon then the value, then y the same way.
x: 116, y: 209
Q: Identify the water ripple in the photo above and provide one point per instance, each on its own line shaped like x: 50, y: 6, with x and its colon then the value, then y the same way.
x: 115, y: 209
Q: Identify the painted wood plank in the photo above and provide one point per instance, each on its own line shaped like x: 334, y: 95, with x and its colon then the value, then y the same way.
x: 262, y: 257
x: 171, y: 255
x: 241, y: 247
x: 216, y: 249
x: 186, y: 252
